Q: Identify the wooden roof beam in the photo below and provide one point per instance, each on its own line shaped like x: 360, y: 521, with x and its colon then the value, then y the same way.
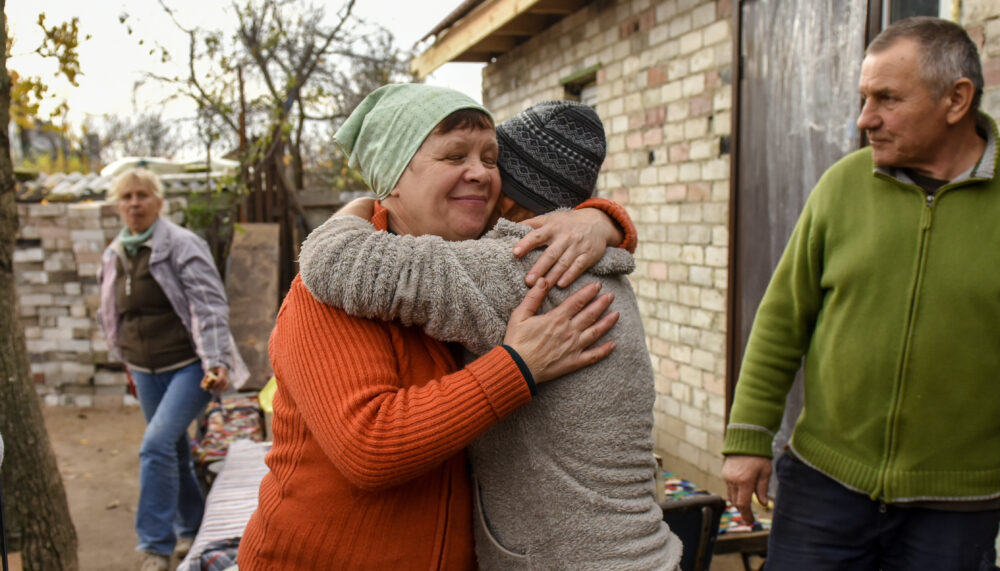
x: 495, y: 43
x: 560, y: 7
x: 468, y: 32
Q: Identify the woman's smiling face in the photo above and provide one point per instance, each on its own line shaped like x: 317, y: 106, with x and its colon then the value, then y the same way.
x: 450, y: 187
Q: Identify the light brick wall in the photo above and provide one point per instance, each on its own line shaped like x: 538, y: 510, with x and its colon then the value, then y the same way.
x: 664, y: 93
x: 57, y: 254
x: 982, y: 19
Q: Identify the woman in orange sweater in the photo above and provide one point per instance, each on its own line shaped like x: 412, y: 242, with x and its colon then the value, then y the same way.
x: 371, y: 417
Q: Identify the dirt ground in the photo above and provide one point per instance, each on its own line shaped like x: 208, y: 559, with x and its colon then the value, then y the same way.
x: 98, y: 455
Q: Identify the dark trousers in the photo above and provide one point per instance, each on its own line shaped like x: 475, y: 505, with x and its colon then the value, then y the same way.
x: 821, y: 525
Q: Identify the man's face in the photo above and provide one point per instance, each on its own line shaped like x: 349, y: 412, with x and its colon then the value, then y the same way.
x: 904, y: 120
x: 450, y: 186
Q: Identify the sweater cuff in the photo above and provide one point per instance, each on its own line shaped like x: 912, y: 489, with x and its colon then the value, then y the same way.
x: 501, y: 380
x: 749, y: 440
x: 525, y: 371
x: 617, y: 213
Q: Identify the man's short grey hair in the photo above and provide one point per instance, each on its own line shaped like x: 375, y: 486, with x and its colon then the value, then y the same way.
x: 947, y: 53
x: 145, y: 177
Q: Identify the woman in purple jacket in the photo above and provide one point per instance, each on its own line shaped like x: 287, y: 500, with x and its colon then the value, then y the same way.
x: 165, y: 315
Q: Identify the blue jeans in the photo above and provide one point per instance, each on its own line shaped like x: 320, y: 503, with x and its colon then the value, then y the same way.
x: 821, y: 525
x: 170, y: 499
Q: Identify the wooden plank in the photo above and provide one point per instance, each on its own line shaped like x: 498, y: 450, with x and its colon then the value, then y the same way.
x: 497, y: 44
x: 468, y: 32
x: 253, y: 288
x: 562, y: 7
x: 526, y: 25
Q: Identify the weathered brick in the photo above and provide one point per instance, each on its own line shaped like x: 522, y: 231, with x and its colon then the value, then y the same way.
x: 620, y: 195
x: 633, y: 141
x: 691, y: 42
x: 676, y: 192
x: 665, y: 11
x: 694, y: 85
x: 717, y: 33
x: 672, y: 91
x: 652, y: 137
x: 656, y: 76
x: 679, y: 153
x: 677, y: 234
x: 703, y: 15
x: 717, y: 256
x: 992, y: 33
x: 680, y: 25
x: 690, y: 172
x: 657, y: 271
x: 991, y: 71
x: 656, y: 116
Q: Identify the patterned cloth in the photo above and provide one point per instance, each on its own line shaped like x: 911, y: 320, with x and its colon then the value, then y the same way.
x: 220, y: 555
x: 226, y: 421
x: 677, y: 488
x: 230, y: 502
x: 551, y: 154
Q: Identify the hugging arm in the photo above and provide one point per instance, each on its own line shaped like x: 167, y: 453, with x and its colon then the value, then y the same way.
x: 456, y: 291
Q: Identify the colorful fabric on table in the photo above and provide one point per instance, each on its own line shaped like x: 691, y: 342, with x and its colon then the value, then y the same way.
x: 227, y: 420
x: 677, y: 488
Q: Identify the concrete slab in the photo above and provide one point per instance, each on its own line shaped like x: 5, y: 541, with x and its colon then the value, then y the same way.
x: 252, y: 288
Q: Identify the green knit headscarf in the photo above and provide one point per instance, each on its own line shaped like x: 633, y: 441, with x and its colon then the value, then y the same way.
x: 387, y: 128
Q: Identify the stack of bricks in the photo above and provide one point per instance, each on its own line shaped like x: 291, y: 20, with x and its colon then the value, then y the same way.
x: 56, y: 259
x: 58, y: 253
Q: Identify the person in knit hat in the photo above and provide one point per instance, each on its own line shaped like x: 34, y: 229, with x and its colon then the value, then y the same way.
x: 569, y: 481
x: 371, y: 417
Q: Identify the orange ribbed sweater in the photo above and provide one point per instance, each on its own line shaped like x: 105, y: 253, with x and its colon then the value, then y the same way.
x: 368, y: 468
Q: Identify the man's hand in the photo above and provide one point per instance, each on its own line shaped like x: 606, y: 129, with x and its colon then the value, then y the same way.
x: 574, y: 241
x: 360, y: 207
x: 562, y: 340
x: 745, y: 475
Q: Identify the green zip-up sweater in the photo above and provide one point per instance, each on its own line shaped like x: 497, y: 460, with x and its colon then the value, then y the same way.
x: 893, y: 299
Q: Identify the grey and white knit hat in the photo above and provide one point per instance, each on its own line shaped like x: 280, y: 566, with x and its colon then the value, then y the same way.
x: 550, y: 155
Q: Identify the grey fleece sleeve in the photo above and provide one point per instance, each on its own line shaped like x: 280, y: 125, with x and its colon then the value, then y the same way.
x: 456, y: 291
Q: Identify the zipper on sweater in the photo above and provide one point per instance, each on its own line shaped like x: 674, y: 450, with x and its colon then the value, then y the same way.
x: 926, y: 217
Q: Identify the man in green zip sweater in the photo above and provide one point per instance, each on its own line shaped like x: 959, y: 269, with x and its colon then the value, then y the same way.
x: 888, y: 293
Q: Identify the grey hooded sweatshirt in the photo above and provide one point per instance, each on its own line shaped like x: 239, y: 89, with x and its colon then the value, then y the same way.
x: 567, y: 481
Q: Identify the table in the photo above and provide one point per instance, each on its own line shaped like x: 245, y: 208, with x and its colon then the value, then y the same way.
x: 734, y: 535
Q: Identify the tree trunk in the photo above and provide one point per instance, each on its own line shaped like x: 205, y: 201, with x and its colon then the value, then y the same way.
x: 37, y: 516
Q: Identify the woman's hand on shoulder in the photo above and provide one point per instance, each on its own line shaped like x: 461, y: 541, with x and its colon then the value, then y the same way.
x: 575, y: 240
x: 564, y: 339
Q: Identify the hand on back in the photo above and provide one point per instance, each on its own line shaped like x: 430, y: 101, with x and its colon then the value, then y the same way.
x: 562, y: 340
x: 574, y: 241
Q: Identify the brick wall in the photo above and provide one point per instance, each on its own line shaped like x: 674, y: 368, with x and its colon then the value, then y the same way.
x: 982, y: 19
x: 56, y: 259
x: 664, y: 93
